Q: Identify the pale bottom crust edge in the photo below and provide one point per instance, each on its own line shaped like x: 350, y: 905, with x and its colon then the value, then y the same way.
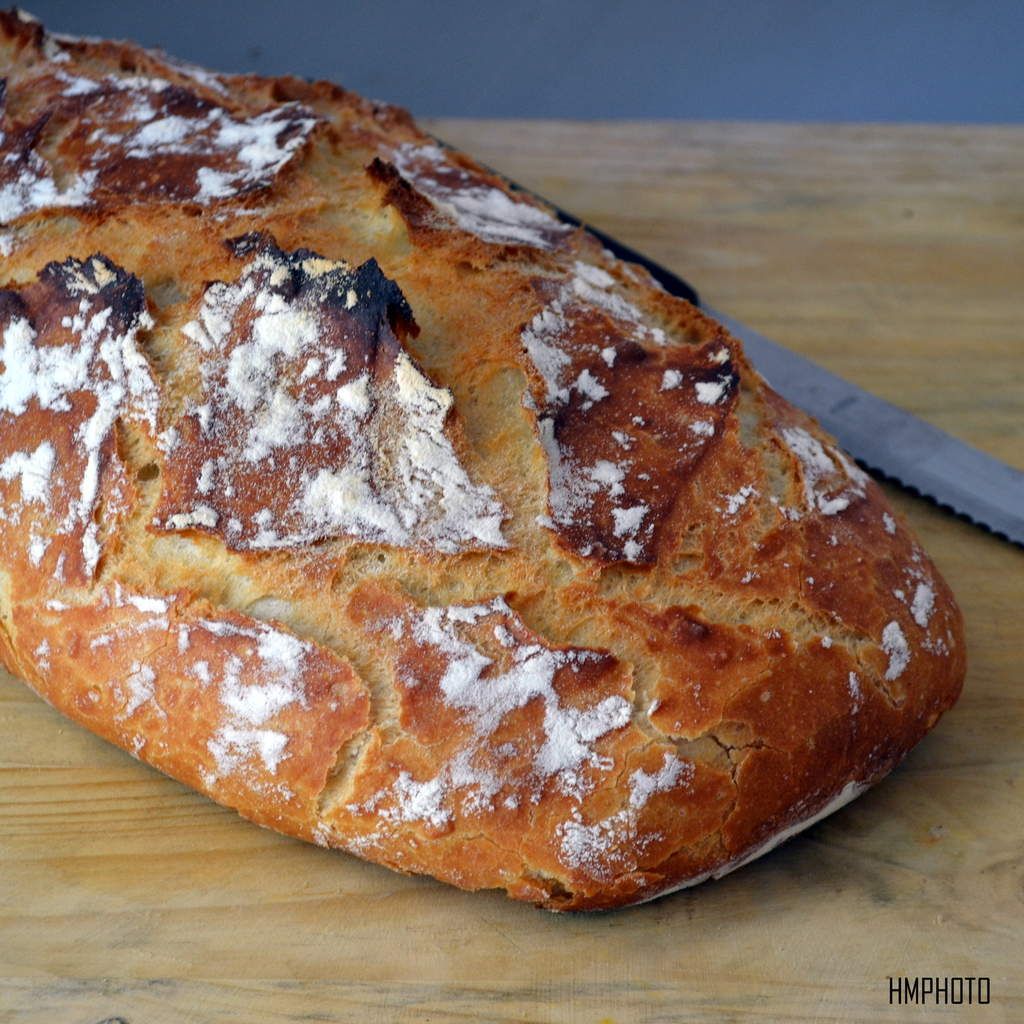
x: 849, y: 792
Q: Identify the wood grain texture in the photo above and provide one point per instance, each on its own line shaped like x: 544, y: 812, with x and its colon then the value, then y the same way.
x: 892, y: 255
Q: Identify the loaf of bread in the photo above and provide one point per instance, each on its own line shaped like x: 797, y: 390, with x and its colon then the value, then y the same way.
x: 348, y: 485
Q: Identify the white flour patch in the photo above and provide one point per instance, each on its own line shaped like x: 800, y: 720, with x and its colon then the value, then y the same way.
x: 473, y: 204
x: 734, y: 502
x: 251, y: 703
x: 33, y: 469
x: 822, y: 471
x: 485, y: 695
x: 711, y: 392
x: 896, y: 648
x: 614, y: 843
x: 130, y: 118
x: 923, y: 604
x: 140, y: 689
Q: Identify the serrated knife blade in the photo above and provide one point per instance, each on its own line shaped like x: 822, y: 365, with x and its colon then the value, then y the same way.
x: 882, y: 436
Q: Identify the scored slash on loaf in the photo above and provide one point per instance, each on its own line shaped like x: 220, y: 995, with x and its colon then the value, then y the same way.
x: 349, y: 486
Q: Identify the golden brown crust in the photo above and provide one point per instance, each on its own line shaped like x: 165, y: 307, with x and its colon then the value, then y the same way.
x: 236, y: 708
x: 346, y: 484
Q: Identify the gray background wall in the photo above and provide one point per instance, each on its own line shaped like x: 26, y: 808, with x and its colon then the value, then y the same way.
x: 792, y: 59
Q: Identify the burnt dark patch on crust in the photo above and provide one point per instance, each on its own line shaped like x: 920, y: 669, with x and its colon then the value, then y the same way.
x: 119, y: 291
x: 304, y: 376
x: 22, y: 29
x: 383, y: 297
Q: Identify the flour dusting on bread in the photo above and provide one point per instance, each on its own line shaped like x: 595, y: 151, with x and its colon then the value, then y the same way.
x: 141, y: 139
x: 87, y: 372
x: 601, y: 370
x: 475, y: 204
x: 302, y: 375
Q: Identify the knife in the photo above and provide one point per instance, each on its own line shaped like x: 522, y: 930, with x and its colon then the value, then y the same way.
x: 881, y: 436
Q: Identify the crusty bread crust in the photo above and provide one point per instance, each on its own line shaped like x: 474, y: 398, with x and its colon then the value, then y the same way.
x: 350, y: 487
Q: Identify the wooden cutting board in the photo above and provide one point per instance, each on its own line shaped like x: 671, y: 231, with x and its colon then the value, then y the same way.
x: 893, y: 255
